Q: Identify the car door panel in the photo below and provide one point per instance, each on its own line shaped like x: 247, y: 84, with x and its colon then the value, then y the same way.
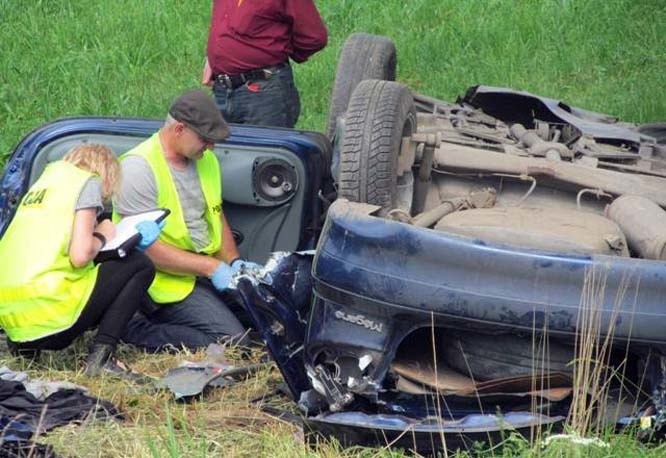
x: 270, y: 177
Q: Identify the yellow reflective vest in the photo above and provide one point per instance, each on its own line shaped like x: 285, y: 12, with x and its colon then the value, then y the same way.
x: 41, y: 292
x: 167, y: 287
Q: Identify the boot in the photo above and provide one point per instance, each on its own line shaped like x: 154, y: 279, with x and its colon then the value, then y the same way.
x: 100, y: 361
x: 17, y: 351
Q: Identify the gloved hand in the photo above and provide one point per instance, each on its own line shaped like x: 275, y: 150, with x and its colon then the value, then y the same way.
x: 241, y: 264
x: 150, y: 231
x: 222, y: 276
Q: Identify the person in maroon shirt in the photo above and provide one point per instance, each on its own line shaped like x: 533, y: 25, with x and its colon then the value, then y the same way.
x: 249, y: 47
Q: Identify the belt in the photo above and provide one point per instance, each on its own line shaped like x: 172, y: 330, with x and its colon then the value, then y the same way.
x: 238, y: 79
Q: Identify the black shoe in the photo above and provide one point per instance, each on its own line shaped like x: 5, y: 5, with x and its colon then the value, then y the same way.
x: 17, y: 351
x: 100, y: 361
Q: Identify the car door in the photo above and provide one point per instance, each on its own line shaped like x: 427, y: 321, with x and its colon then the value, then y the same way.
x: 271, y: 177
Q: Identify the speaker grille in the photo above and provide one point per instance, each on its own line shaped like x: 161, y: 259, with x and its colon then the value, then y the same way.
x: 274, y: 179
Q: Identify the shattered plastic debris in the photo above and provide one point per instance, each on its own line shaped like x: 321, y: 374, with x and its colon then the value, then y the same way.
x: 191, y: 378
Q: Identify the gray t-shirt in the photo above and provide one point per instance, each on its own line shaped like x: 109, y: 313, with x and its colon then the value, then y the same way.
x: 139, y: 193
x: 91, y: 195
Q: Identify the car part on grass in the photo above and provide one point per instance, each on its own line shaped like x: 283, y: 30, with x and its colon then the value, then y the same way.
x: 643, y: 221
x: 363, y: 57
x: 369, y: 151
x: 192, y: 378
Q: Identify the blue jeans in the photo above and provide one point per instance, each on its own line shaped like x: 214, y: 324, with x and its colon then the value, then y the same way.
x: 272, y: 102
x: 198, y: 320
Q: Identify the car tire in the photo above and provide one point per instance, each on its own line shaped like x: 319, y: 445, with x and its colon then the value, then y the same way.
x: 486, y: 357
x: 380, y: 114
x: 363, y: 57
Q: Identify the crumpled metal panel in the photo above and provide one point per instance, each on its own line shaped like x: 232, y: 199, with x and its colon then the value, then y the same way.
x: 278, y: 300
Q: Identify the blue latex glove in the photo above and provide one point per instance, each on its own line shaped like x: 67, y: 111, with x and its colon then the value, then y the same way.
x: 241, y: 264
x: 149, y: 231
x: 222, y: 276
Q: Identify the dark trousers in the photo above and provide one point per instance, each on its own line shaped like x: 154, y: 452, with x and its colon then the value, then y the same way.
x: 272, y: 102
x: 205, y: 316
x: 119, y: 291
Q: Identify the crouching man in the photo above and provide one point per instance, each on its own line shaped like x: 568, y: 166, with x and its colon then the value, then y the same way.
x: 195, y: 255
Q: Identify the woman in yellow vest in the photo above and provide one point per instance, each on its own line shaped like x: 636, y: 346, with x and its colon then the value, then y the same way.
x: 51, y: 290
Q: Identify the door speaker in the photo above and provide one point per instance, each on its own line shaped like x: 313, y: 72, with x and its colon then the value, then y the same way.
x: 274, y: 179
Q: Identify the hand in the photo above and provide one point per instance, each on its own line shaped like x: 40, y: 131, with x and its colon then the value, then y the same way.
x: 207, y: 74
x: 149, y: 231
x: 241, y: 264
x: 221, y: 277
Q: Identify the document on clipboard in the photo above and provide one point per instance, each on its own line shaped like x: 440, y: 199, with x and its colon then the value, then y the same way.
x: 127, y: 235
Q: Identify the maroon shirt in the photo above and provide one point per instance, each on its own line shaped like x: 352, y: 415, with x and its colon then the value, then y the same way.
x: 262, y: 33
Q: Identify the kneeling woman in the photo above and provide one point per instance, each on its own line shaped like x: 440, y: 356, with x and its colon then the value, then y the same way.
x: 51, y: 291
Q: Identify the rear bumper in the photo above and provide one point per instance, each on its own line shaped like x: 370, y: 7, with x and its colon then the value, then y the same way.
x: 376, y: 281
x: 398, y: 276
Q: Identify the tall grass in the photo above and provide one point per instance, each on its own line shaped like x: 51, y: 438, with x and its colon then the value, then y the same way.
x: 127, y: 58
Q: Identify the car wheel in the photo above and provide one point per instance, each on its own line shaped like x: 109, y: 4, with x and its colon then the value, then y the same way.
x: 380, y: 114
x: 363, y: 57
x: 487, y: 357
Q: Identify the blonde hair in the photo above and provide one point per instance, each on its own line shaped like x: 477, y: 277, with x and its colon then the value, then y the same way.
x: 100, y: 160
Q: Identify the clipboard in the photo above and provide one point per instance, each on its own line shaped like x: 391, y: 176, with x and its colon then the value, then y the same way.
x: 127, y: 237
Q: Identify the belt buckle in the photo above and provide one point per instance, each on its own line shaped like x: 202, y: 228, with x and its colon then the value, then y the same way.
x: 227, y: 81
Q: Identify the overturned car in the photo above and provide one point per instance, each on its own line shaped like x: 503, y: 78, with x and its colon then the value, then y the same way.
x: 495, y: 263
x: 491, y: 264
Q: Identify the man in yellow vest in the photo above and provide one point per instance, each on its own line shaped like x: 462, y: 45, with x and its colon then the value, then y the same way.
x: 196, y: 254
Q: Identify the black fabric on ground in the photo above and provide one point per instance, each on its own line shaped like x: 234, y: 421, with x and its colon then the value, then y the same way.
x: 13, y: 430
x: 60, y: 408
x: 15, y: 441
x: 26, y: 449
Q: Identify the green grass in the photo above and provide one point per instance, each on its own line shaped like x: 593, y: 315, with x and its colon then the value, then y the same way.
x: 130, y: 58
x: 127, y: 58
